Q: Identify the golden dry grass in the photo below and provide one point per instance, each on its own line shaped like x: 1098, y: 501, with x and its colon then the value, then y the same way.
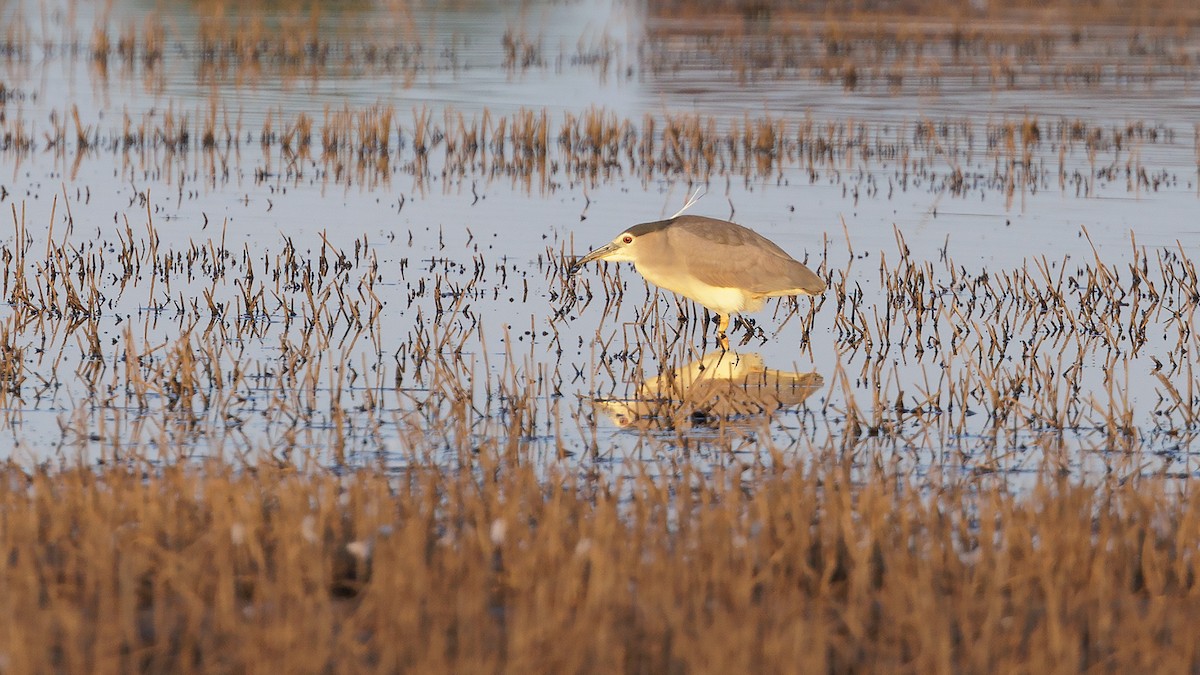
x: 502, y: 566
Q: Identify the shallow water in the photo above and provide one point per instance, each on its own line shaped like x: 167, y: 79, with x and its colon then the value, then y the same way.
x: 451, y: 323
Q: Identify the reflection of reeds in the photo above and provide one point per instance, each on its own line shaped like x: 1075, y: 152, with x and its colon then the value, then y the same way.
x: 100, y: 48
x: 298, y: 134
x: 12, y: 363
x: 598, y: 146
x: 520, y: 50
x: 924, y: 45
x: 154, y: 37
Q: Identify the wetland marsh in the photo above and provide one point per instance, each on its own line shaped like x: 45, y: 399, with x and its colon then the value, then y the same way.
x: 285, y: 288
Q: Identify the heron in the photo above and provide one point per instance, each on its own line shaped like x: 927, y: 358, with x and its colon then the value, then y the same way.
x: 726, y: 267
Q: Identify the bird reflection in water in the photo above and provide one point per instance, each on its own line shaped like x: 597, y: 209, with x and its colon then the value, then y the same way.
x: 718, y: 388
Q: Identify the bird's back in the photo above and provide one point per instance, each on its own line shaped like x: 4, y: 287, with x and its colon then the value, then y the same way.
x: 721, y: 253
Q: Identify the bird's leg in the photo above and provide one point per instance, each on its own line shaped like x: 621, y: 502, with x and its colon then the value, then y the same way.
x: 722, y: 326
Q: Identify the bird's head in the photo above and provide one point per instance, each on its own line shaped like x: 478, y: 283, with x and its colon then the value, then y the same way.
x: 622, y: 249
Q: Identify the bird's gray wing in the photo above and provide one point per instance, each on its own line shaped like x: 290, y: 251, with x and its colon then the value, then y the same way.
x: 724, y: 254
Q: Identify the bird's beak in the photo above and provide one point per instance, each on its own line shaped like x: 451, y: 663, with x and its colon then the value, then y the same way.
x: 597, y: 254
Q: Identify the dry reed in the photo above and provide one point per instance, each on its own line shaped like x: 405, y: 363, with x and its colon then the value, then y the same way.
x: 503, y: 565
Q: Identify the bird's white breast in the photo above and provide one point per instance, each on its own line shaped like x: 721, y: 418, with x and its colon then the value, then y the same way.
x: 720, y: 299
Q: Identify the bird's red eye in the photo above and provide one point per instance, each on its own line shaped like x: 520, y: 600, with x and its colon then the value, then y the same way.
x: 627, y: 239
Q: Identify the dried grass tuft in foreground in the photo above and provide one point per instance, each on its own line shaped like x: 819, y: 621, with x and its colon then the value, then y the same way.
x: 506, y: 566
